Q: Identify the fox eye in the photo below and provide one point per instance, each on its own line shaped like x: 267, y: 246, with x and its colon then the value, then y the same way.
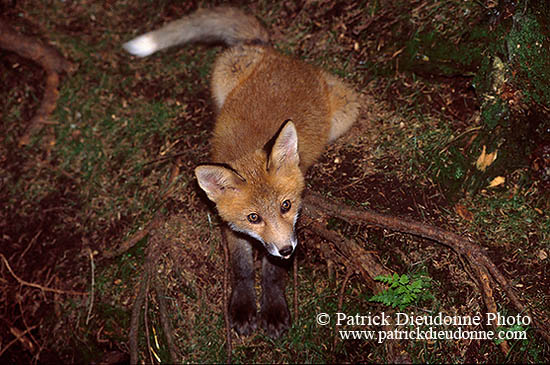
x: 285, y: 206
x: 254, y: 218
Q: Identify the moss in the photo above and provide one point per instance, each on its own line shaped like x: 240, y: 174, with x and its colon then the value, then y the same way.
x: 495, y: 112
x: 529, y: 52
x: 434, y: 54
x: 448, y: 42
x: 511, y: 82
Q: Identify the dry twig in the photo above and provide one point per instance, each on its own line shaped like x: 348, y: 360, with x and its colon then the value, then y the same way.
x: 91, y: 254
x: 18, y: 337
x: 38, y: 286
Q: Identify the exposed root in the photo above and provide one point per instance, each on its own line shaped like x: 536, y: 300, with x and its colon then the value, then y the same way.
x: 295, y: 282
x: 47, y: 57
x: 364, y: 262
x: 134, y: 322
x: 226, y: 268
x: 349, y: 273
x: 487, y: 293
x: 318, y: 208
x: 356, y: 259
x: 166, y: 324
x: 146, y: 323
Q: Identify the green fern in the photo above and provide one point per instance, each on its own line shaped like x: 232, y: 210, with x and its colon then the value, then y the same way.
x: 402, y: 291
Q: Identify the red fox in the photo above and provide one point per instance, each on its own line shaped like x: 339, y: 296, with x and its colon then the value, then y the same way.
x: 275, y: 116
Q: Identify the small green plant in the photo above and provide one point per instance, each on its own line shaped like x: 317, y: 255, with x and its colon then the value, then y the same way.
x: 402, y: 290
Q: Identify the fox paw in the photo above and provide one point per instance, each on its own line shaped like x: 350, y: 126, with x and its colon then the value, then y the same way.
x: 275, y: 318
x: 242, y: 314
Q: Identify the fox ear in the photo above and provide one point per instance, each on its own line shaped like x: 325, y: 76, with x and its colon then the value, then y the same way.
x: 285, y: 148
x: 216, y: 180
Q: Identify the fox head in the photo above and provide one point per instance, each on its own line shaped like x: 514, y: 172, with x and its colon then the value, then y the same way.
x: 260, y: 194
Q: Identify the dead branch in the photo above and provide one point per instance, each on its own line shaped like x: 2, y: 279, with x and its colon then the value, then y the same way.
x: 38, y: 286
x: 49, y: 59
x: 316, y: 207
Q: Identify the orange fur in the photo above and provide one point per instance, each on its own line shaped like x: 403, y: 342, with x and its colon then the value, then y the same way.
x: 275, y: 116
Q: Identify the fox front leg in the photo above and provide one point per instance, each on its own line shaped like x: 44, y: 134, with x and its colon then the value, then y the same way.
x: 274, y: 314
x: 242, y: 305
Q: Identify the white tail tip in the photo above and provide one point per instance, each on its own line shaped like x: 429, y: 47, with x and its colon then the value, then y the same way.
x: 142, y: 46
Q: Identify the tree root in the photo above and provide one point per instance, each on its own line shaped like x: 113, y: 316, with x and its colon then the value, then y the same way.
x: 226, y: 269
x: 295, y: 283
x: 165, y: 321
x: 355, y: 259
x: 317, y: 208
x: 134, y: 322
x: 50, y: 60
x: 150, y: 275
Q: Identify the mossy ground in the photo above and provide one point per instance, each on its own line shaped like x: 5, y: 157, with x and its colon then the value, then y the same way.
x: 101, y: 170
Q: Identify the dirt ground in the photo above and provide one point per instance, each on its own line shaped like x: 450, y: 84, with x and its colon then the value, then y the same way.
x: 104, y: 231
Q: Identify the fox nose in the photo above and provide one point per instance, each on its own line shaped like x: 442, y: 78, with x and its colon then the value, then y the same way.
x: 286, y: 251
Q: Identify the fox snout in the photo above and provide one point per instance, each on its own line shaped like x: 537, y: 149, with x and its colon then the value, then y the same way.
x: 284, y: 250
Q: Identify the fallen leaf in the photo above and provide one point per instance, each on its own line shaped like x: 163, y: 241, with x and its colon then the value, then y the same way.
x: 542, y: 255
x: 485, y: 159
x: 499, y: 180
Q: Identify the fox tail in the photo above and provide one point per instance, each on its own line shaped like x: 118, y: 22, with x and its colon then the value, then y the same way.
x: 224, y: 24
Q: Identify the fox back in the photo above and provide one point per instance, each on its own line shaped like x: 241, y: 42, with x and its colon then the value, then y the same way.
x: 257, y: 90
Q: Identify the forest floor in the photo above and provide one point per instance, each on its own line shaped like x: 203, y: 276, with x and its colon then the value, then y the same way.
x: 119, y: 152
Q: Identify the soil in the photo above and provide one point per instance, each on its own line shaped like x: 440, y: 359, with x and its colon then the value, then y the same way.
x: 47, y: 240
